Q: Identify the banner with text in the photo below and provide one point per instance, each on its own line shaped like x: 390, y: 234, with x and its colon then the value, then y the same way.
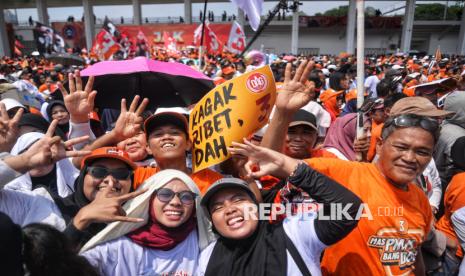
x: 183, y: 34
x: 230, y: 112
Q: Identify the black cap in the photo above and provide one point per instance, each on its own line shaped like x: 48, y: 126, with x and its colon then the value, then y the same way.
x: 166, y: 118
x: 223, y: 184
x: 303, y: 117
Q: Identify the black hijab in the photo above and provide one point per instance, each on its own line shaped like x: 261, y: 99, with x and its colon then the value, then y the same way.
x: 65, y: 127
x: 263, y: 253
x: 70, y: 205
x: 37, y: 121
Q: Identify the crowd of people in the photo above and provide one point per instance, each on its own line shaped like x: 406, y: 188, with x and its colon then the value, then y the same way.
x: 89, y: 191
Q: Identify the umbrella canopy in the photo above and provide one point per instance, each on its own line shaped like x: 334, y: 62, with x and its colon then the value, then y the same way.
x: 65, y: 59
x: 165, y: 84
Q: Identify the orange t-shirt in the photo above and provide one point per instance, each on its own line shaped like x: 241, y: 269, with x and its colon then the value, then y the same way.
x: 375, y: 135
x: 454, y: 199
x: 388, y: 243
x: 203, y: 178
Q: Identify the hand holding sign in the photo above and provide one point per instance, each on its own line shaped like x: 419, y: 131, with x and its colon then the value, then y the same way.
x: 230, y: 112
x: 296, y: 92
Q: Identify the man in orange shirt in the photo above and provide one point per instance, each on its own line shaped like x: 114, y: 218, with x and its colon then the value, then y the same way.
x: 399, y: 218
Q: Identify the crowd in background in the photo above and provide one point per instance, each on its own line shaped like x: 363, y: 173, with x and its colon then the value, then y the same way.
x: 89, y: 191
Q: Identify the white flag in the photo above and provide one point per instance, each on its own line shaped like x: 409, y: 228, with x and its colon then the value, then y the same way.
x: 236, y: 42
x: 253, y: 10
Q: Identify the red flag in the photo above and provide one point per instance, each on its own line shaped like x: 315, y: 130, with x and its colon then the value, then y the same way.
x: 210, y: 40
x: 170, y: 42
x: 236, y: 42
x: 105, y: 45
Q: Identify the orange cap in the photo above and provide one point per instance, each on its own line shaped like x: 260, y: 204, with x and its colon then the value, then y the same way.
x: 227, y: 70
x: 328, y: 94
x: 352, y: 94
x: 110, y: 153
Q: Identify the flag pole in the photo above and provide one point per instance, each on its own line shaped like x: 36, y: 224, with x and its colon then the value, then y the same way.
x: 202, y: 34
x: 360, y: 67
x: 281, y: 4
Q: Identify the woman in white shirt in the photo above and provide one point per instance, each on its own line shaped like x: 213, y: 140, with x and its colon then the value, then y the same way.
x: 169, y: 240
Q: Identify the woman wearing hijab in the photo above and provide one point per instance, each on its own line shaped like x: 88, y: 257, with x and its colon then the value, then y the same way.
x: 57, y: 178
x: 247, y: 246
x: 169, y: 239
x: 103, y: 185
x: 30, y: 122
x: 332, y: 98
x: 341, y: 136
x: 56, y: 110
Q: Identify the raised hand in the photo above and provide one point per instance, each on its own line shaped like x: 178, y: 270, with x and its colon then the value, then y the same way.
x: 105, y: 209
x: 296, y: 92
x: 50, y: 149
x: 79, y: 102
x: 9, y: 130
x: 129, y: 121
x: 264, y: 161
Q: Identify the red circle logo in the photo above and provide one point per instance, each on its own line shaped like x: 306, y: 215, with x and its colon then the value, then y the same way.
x: 257, y: 82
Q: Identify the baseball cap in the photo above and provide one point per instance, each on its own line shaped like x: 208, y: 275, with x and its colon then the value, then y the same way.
x: 397, y: 67
x: 11, y: 103
x: 166, y: 118
x: 331, y: 67
x: 223, y: 184
x: 419, y: 106
x: 303, y: 117
x: 110, y: 153
x: 414, y: 75
x: 228, y: 70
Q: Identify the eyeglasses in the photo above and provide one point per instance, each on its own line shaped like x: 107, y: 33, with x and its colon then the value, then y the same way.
x: 412, y: 120
x: 102, y: 172
x: 166, y: 195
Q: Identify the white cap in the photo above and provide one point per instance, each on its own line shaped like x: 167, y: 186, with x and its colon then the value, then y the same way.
x: 181, y: 110
x: 397, y: 67
x: 11, y: 103
x: 414, y: 75
x: 325, y: 71
x: 332, y: 66
x: 35, y: 53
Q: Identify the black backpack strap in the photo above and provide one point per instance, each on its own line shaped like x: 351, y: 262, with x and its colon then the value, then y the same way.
x: 296, y: 256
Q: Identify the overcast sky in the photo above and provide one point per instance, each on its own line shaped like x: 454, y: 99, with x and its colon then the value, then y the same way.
x: 175, y: 10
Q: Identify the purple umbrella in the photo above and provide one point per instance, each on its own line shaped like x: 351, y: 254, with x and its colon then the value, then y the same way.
x: 165, y: 84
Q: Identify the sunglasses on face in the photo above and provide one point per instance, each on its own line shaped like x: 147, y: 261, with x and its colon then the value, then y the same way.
x: 166, y: 195
x: 102, y: 172
x: 412, y: 120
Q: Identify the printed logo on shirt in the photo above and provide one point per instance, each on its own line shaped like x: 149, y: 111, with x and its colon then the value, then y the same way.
x: 397, y: 247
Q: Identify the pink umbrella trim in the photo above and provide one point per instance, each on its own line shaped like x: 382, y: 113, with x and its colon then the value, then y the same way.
x: 141, y: 64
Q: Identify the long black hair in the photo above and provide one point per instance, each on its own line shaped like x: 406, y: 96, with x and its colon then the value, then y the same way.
x: 47, y: 251
x: 335, y: 81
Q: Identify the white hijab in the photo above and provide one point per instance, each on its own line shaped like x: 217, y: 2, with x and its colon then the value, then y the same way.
x: 66, y: 172
x: 138, y: 207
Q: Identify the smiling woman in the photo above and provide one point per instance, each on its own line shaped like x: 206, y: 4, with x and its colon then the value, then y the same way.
x: 169, y: 239
x: 103, y: 185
